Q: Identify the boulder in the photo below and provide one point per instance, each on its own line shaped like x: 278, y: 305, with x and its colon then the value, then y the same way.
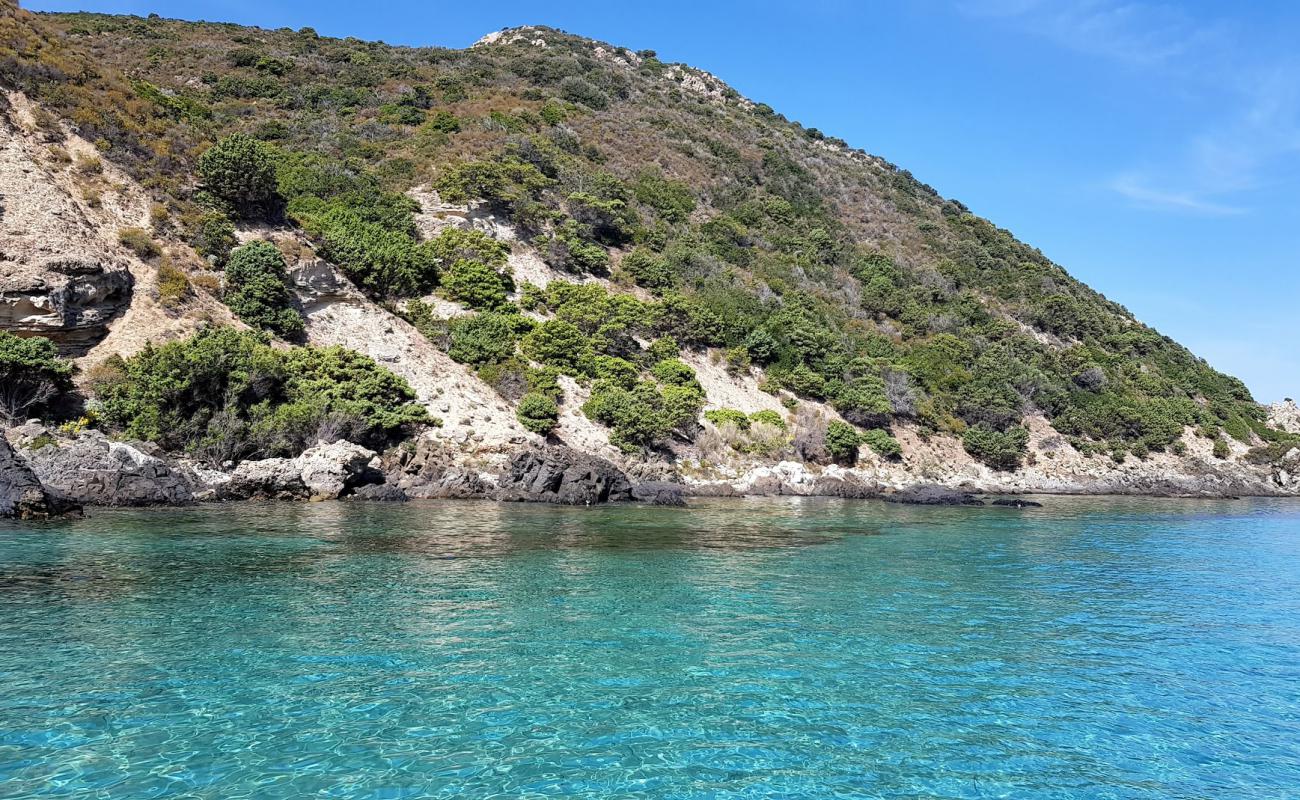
x: 328, y: 470
x: 267, y: 478
x: 660, y: 493
x: 556, y: 474
x: 323, y: 472
x: 92, y: 470
x: 21, y: 493
x: 932, y: 495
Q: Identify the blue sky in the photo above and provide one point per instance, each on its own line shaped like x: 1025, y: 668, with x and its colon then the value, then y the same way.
x: 1152, y: 149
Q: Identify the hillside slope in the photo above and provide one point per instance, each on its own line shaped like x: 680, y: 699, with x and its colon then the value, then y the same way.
x: 550, y: 237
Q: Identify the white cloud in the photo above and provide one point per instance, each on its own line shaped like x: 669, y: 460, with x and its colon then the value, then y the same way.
x: 1136, y: 188
x: 1255, y: 128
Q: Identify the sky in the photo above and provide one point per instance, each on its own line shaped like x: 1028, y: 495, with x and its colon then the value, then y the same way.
x: 1152, y: 149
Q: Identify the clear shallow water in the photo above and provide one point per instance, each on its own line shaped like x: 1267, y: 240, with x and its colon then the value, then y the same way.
x: 765, y: 648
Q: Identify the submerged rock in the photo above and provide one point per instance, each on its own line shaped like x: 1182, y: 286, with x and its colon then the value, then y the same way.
x: 931, y: 495
x: 1016, y: 502
x: 559, y: 475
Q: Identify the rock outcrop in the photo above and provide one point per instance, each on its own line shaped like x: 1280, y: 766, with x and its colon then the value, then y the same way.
x: 92, y: 470
x: 1285, y: 416
x: 559, y: 475
x: 58, y: 278
x: 326, y: 471
x: 21, y: 493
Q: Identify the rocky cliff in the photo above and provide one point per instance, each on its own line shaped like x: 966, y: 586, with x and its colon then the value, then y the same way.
x: 839, y: 327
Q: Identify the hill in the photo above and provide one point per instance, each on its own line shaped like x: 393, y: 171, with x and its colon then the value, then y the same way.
x: 544, y: 236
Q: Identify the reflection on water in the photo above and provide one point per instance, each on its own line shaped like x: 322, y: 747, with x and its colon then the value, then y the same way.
x: 737, y: 648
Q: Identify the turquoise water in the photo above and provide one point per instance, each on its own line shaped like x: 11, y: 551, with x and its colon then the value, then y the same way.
x: 738, y: 649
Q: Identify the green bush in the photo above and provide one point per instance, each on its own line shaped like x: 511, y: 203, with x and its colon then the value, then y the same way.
x: 486, y: 338
x: 649, y: 270
x: 675, y: 372
x: 882, y: 443
x: 212, y: 235
x: 617, y: 371
x: 643, y: 415
x: 842, y: 442
x: 32, y: 375
x: 768, y: 417
x: 671, y: 199
x: 241, y: 171
x: 560, y: 344
x: 538, y: 413
x: 476, y: 285
x: 1001, y: 450
x: 505, y: 182
x: 225, y: 395
x: 728, y: 416
x: 138, y: 241
x: 382, y: 259
x: 258, y: 292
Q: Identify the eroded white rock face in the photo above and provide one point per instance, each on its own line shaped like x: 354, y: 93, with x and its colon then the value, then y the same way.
x: 58, y: 279
x: 1285, y: 416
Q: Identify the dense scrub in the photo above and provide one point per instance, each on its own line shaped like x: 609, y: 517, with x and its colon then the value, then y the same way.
x: 842, y: 277
x: 225, y: 396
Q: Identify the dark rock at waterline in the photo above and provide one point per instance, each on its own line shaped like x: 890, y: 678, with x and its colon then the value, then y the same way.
x: 560, y: 475
x: 92, y: 470
x: 849, y: 486
x: 929, y: 495
x: 1016, y: 502
x: 21, y: 492
x: 379, y: 493
x: 660, y: 493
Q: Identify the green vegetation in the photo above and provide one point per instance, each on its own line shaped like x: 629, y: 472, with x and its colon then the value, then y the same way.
x: 240, y: 171
x: 538, y: 413
x: 842, y: 441
x: 32, y: 375
x: 225, y: 396
x: 882, y: 443
x: 745, y: 228
x: 258, y: 292
x: 138, y: 241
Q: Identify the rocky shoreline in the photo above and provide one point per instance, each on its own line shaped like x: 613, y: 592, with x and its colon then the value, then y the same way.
x: 43, y: 475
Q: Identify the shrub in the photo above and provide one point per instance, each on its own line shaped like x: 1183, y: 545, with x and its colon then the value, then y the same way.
x: 443, y: 121
x: 212, y: 235
x: 728, y: 416
x: 1221, y: 449
x: 642, y: 415
x: 476, y: 285
x: 538, y: 413
x: 675, y: 372
x: 173, y: 285
x: 226, y: 395
x: 459, y: 244
x: 487, y: 338
x: 258, y: 292
x: 672, y: 199
x: 560, y: 344
x: 882, y: 443
x: 375, y: 250
x: 241, y: 171
x: 31, y: 375
x: 617, y: 371
x: 768, y: 417
x: 1001, y: 450
x: 842, y: 442
x: 649, y: 270
x: 138, y: 241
